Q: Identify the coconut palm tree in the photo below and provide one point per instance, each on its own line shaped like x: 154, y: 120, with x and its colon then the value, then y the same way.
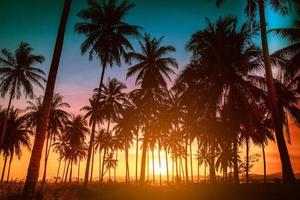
x: 57, y: 118
x: 19, y: 75
x: 221, y: 93
x: 281, y: 6
x: 110, y: 163
x: 203, y: 158
x: 34, y: 164
x: 107, y: 38
x: 99, y: 141
x: 16, y: 137
x: 152, y: 69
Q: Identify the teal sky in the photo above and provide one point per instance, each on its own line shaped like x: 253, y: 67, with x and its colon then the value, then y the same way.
x: 36, y: 22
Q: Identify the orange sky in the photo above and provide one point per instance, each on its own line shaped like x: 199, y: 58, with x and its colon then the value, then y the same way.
x: 19, y: 167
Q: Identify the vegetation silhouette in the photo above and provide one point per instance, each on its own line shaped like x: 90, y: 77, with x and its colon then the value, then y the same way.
x: 219, y: 103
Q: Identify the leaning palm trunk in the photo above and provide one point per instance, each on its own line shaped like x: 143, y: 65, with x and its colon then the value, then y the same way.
x: 92, y: 165
x: 287, y: 170
x: 4, y: 167
x: 67, y: 172
x: 9, y: 166
x: 71, y: 171
x: 87, y: 168
x: 64, y: 171
x: 57, y: 174
x: 3, y: 131
x: 47, y: 152
x: 35, y: 159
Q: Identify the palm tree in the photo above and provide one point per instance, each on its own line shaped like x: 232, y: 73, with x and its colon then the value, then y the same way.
x: 16, y: 137
x: 18, y: 74
x: 221, y: 95
x: 99, y: 141
x: 34, y: 164
x: 152, y: 69
x: 107, y: 38
x: 57, y: 118
x: 281, y: 6
x: 110, y: 163
x: 203, y: 159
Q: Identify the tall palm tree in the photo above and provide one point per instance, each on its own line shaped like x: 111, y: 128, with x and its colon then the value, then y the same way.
x: 18, y: 74
x: 107, y: 38
x: 34, y: 164
x: 213, y: 95
x: 57, y: 118
x: 152, y: 69
x: 203, y: 159
x: 16, y: 137
x: 99, y: 141
x: 281, y: 6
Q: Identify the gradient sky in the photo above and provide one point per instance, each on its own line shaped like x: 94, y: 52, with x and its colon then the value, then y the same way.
x: 36, y: 22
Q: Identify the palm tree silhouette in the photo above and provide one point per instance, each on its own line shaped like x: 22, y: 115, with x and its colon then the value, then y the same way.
x: 220, y: 94
x: 283, y: 8
x: 107, y: 38
x: 18, y: 75
x: 110, y: 163
x: 203, y: 158
x: 34, y: 164
x: 57, y: 118
x: 152, y: 69
x: 16, y: 137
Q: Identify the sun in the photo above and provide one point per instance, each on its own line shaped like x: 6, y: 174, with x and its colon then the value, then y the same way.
x: 162, y: 169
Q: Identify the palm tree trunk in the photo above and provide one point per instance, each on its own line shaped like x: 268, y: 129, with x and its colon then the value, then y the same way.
x: 186, y: 159
x: 198, y: 163
x: 4, y: 167
x: 87, y: 168
x: 148, y: 165
x: 235, y: 162
x: 247, y: 159
x: 78, y: 173
x: 153, y: 166
x: 34, y: 164
x: 103, y: 162
x: 265, y: 165
x: 64, y: 171
x: 71, y: 170
x: 212, y: 171
x: 92, y: 164
x: 181, y: 167
x: 177, y: 175
x: 127, y: 161
x: 143, y: 161
x: 9, y: 166
x: 3, y: 131
x: 115, y: 168
x: 159, y: 161
x: 57, y: 174
x: 136, y: 157
x: 90, y: 149
x: 47, y: 149
x: 204, y: 171
x: 287, y: 170
x: 99, y: 164
x: 167, y: 165
x: 191, y: 159
x: 67, y: 171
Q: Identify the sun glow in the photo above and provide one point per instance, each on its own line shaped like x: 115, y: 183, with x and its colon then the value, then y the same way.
x: 159, y: 168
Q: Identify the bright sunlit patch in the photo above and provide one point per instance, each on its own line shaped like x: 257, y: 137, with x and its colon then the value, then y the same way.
x: 157, y: 170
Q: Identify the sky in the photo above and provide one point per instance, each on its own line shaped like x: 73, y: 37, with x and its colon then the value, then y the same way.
x: 36, y: 22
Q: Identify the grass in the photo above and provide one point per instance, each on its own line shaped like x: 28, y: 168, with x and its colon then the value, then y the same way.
x: 172, y: 192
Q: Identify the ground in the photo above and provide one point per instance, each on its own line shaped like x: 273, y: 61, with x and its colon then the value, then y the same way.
x: 170, y: 192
